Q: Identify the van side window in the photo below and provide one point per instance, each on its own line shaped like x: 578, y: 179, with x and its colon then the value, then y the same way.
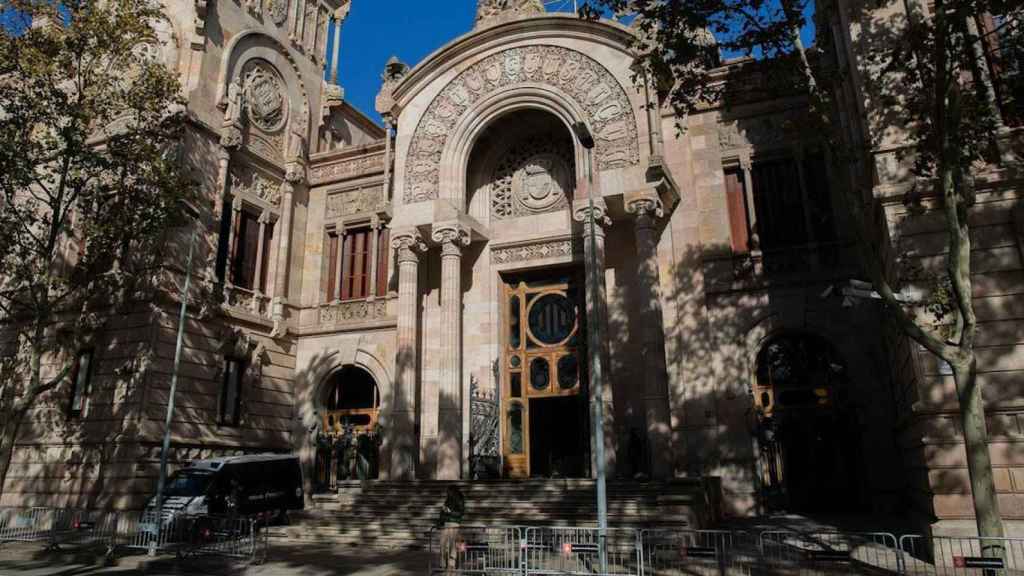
x: 231, y: 393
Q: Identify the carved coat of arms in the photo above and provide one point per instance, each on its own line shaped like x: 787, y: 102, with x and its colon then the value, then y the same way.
x: 265, y: 100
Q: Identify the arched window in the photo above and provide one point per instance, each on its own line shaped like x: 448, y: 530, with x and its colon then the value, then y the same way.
x: 797, y: 370
x: 351, y: 400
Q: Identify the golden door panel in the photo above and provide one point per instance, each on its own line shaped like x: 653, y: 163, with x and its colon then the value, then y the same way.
x: 541, y: 358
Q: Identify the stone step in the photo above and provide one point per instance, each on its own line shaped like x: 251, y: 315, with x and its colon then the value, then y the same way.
x: 402, y: 514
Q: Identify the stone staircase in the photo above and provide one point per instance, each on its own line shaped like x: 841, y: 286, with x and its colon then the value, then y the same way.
x: 401, y: 514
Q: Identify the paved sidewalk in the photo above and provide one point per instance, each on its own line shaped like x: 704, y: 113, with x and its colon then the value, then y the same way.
x: 283, y: 560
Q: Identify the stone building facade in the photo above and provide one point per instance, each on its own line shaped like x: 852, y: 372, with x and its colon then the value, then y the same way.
x: 430, y: 282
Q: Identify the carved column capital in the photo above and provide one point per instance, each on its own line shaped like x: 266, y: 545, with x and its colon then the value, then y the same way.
x: 409, y: 245
x: 451, y: 237
x: 264, y: 217
x: 295, y: 173
x: 236, y: 204
x: 647, y: 211
x: 375, y: 222
x: 582, y: 212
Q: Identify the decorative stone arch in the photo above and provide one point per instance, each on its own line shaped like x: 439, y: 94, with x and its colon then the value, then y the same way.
x: 362, y: 359
x: 456, y: 158
x: 770, y: 326
x: 596, y: 97
x: 252, y: 45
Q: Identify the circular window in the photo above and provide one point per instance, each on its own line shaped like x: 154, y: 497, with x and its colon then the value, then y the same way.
x: 568, y: 372
x: 515, y: 361
x: 540, y: 374
x: 552, y: 319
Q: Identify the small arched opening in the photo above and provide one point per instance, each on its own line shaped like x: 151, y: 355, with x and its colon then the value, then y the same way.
x: 349, y: 442
x: 807, y: 431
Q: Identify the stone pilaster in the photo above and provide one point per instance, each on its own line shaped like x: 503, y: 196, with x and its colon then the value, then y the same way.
x: 646, y: 211
x: 452, y: 238
x: 401, y: 426
x: 597, y: 318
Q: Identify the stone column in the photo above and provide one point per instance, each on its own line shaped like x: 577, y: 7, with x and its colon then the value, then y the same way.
x: 257, y: 286
x: 283, y: 250
x: 452, y: 238
x: 646, y: 211
x: 375, y: 226
x: 597, y: 316
x: 401, y: 426
x: 336, y: 57
x: 236, y: 214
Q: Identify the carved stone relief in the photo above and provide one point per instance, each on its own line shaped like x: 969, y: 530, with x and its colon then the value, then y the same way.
x: 607, y: 107
x: 535, y: 176
x: 277, y: 11
x: 529, y: 252
x: 359, y: 201
x: 361, y: 311
x: 494, y: 11
x: 256, y: 186
x: 761, y: 132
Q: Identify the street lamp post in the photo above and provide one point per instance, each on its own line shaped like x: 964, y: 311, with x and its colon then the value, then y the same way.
x: 162, y: 480
x: 596, y: 376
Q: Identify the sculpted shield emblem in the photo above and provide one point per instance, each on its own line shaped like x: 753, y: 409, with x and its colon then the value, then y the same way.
x: 540, y: 184
x: 265, y: 100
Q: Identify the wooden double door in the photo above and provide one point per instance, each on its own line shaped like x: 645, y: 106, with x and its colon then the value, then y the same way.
x: 544, y: 430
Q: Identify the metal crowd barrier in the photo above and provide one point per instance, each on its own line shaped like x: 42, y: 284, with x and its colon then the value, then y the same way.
x: 672, y: 552
x: 522, y: 551
x: 84, y: 529
x: 26, y: 524
x: 832, y: 553
x: 476, y: 550
x: 962, y: 556
x: 151, y: 532
x: 582, y: 551
x: 187, y: 536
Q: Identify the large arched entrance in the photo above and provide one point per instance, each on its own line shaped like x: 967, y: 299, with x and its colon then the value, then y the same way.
x: 522, y: 177
x: 807, y: 431
x: 349, y: 440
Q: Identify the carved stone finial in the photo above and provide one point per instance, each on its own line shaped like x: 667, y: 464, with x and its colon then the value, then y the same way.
x: 394, y: 71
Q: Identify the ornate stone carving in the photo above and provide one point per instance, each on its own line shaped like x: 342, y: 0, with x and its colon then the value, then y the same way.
x: 359, y: 201
x: 353, y: 312
x: 265, y: 100
x: 609, y: 112
x: 256, y: 186
x: 646, y: 211
x: 451, y: 237
x: 490, y: 12
x: 409, y: 244
x: 535, y: 176
x: 536, y: 251
x: 277, y: 11
x: 348, y: 168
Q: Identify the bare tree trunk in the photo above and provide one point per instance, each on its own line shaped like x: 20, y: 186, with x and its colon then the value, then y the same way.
x: 979, y: 461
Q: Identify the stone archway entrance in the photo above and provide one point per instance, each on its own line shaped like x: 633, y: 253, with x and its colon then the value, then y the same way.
x: 349, y: 441
x: 807, y: 431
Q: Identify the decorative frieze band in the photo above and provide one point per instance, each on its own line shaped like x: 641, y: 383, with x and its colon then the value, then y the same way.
x: 353, y: 312
x: 347, y: 168
x: 559, y: 248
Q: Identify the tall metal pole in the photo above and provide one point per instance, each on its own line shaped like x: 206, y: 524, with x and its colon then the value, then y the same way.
x: 596, y: 377
x: 174, y: 373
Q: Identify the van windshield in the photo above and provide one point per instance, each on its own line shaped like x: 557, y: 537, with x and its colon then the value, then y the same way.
x: 188, y: 483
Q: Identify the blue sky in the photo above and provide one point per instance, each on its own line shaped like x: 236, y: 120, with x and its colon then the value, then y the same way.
x: 410, y: 29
